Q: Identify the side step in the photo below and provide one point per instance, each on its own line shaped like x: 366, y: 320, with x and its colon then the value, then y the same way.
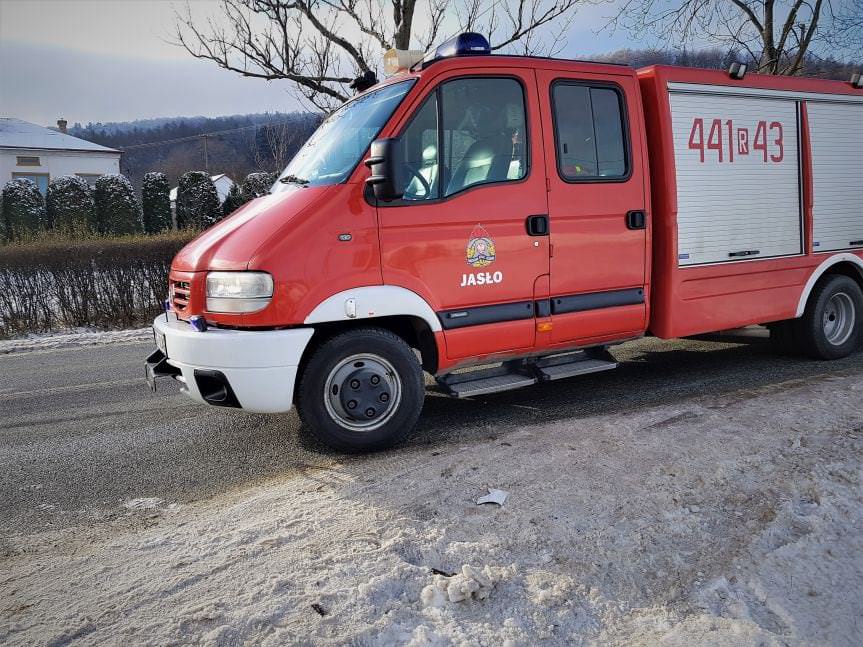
x: 572, y: 364
x: 507, y: 376
x: 515, y: 374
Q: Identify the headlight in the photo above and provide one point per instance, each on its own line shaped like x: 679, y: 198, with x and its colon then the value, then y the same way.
x: 238, y: 291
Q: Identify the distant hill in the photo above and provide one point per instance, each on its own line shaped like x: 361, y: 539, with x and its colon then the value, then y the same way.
x: 235, y: 144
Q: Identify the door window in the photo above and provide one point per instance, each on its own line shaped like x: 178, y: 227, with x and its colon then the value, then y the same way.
x: 470, y: 132
x: 589, y: 133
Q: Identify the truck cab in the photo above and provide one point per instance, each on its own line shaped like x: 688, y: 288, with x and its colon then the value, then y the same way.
x: 483, y: 219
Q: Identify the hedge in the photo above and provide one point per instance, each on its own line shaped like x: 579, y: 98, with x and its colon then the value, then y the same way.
x: 101, y: 282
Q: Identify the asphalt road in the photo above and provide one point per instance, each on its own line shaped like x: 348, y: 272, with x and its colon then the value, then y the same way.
x: 80, y: 433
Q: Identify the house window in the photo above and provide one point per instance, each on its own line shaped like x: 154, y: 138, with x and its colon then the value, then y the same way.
x: 90, y: 178
x: 39, y: 179
x: 25, y: 160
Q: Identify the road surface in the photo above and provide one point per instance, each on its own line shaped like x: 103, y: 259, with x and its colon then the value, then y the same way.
x: 80, y: 433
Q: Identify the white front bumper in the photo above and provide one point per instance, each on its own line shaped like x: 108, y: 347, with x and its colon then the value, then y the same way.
x: 260, y: 365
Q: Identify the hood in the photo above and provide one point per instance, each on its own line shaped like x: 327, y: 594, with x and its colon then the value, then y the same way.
x: 231, y: 243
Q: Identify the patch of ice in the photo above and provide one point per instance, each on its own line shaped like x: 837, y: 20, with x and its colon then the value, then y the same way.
x: 145, y: 503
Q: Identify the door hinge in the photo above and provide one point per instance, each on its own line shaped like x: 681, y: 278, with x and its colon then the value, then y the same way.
x: 551, y: 250
x: 547, y: 185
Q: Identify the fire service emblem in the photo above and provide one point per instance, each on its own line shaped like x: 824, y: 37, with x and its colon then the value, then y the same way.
x: 480, y: 248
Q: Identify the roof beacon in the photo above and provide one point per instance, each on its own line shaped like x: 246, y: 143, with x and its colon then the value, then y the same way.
x: 466, y: 44
x: 399, y: 60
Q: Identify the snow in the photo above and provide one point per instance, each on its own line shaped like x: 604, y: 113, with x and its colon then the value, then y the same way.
x: 74, y: 338
x: 732, y: 519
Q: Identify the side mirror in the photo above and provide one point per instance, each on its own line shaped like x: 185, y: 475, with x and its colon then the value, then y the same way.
x: 383, y: 165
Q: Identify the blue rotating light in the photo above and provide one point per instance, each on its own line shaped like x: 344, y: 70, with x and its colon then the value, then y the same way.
x: 466, y: 44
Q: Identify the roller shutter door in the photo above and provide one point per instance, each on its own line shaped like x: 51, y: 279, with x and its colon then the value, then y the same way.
x: 836, y: 140
x: 738, y: 177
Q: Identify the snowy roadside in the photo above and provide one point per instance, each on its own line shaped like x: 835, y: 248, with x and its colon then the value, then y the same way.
x: 722, y: 520
x: 73, y: 339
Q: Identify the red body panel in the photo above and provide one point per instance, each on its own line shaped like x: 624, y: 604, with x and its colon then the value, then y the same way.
x: 693, y: 300
x: 593, y: 250
x: 295, y: 235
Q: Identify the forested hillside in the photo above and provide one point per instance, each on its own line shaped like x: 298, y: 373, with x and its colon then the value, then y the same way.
x: 236, y: 144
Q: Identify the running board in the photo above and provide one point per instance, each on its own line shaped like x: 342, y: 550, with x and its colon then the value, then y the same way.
x: 516, y: 374
x: 580, y: 363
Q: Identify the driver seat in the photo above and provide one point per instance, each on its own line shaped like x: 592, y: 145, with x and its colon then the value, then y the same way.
x: 486, y: 160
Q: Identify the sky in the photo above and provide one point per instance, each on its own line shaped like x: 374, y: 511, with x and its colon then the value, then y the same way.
x: 111, y: 60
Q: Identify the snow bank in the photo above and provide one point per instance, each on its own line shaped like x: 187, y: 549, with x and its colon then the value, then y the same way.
x: 73, y: 338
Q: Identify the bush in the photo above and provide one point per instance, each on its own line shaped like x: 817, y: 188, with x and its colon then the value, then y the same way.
x: 104, y: 283
x: 117, y: 210
x: 257, y: 184
x: 197, y: 201
x: 233, y: 201
x: 69, y: 205
x: 23, y: 209
x: 156, y: 202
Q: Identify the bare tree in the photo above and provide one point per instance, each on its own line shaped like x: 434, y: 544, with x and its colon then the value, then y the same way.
x: 321, y: 45
x: 777, y: 35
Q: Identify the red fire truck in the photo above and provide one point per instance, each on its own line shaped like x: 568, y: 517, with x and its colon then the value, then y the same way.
x: 500, y: 221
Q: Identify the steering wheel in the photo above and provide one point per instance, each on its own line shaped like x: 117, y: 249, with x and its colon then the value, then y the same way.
x: 415, y: 173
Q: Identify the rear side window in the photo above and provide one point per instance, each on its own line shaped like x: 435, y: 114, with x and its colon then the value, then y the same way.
x: 589, y: 132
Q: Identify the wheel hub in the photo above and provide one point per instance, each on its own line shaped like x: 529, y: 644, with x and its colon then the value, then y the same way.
x: 364, y: 394
x: 840, y: 317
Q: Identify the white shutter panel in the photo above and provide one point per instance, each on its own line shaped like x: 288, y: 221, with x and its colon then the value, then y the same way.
x: 742, y: 203
x: 836, y: 140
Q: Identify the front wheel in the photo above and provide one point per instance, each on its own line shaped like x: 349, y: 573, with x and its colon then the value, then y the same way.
x: 832, y: 325
x: 361, y: 391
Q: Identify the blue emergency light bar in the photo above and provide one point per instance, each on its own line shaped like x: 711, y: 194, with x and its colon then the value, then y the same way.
x: 466, y: 44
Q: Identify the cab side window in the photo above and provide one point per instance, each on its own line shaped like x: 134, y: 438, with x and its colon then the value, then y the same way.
x: 471, y: 131
x: 589, y: 132
x: 419, y: 143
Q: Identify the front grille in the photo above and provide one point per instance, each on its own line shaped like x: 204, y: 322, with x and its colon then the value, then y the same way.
x: 180, y: 292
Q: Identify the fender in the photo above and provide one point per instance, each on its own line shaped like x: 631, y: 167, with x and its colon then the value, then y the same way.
x: 373, y: 301
x: 818, y: 273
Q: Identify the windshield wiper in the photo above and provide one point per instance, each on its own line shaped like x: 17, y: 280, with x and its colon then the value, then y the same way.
x: 293, y: 179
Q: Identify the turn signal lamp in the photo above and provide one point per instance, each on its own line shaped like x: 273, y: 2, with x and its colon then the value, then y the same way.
x: 198, y: 323
x: 398, y: 60
x: 466, y: 44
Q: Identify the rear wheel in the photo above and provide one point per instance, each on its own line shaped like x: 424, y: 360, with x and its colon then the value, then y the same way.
x: 832, y: 325
x: 361, y: 391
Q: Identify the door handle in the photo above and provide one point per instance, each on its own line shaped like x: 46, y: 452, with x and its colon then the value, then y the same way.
x: 537, y: 225
x: 636, y: 220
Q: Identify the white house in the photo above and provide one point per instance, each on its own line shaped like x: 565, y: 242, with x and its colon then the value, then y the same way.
x: 42, y: 154
x: 223, y: 185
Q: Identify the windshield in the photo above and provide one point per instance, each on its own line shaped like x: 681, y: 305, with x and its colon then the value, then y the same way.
x: 332, y: 152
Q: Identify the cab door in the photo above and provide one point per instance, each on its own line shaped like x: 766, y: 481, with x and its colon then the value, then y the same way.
x: 597, y: 205
x: 470, y: 233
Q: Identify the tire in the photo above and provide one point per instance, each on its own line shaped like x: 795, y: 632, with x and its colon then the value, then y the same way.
x: 832, y: 324
x: 361, y: 391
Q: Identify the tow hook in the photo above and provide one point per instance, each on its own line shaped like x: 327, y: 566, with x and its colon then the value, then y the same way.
x: 155, y: 366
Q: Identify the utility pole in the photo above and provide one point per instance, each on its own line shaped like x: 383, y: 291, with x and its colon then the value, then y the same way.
x: 206, y: 154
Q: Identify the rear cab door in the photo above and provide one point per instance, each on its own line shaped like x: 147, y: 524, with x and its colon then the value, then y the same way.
x: 597, y: 203
x: 473, y: 175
